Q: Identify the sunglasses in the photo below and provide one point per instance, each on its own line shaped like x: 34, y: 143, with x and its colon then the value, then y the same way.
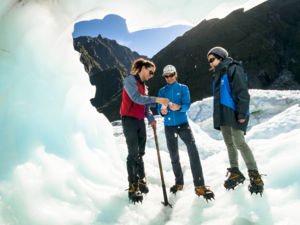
x: 211, y: 60
x: 171, y: 75
x: 150, y: 72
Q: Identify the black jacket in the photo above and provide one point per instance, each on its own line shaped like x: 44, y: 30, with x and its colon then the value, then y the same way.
x: 223, y: 115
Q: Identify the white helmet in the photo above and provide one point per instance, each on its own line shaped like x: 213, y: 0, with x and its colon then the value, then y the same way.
x: 169, y: 69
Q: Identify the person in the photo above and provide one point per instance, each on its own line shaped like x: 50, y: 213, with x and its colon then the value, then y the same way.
x: 134, y: 107
x: 231, y: 116
x: 176, y: 124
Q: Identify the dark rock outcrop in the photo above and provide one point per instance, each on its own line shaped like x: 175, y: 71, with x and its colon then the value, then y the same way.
x: 107, y: 63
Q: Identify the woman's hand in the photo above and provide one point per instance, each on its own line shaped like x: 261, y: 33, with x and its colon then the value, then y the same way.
x: 163, y: 101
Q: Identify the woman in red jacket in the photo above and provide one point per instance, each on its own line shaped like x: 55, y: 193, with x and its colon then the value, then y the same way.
x: 135, y: 106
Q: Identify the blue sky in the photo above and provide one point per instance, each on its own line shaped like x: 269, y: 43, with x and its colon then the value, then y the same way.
x: 114, y: 27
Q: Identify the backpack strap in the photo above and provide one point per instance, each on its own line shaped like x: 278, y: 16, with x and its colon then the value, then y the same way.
x: 234, y: 62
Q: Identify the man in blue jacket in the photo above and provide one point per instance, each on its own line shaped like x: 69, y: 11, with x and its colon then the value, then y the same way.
x: 176, y: 123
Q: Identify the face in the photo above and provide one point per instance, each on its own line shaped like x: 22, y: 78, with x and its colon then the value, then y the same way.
x: 213, y: 61
x: 170, y: 77
x: 147, y: 73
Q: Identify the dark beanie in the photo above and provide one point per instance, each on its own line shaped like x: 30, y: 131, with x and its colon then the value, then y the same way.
x: 219, y: 51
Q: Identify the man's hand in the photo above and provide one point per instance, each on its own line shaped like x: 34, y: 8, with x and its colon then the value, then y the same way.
x: 164, y: 111
x: 241, y: 120
x: 174, y: 106
x: 153, y: 125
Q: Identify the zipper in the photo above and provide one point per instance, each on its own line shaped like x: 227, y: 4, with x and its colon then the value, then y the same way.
x: 131, y: 106
x: 173, y: 102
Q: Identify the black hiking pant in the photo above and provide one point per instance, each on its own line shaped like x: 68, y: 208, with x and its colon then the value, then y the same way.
x: 135, y: 133
x: 185, y: 133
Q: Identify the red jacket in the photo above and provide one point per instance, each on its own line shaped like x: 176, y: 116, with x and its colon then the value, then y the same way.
x: 129, y: 107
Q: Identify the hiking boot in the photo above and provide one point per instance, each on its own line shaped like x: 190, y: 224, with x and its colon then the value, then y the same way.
x: 175, y: 188
x: 204, y: 191
x: 143, y: 186
x: 256, y: 183
x: 134, y: 194
x: 235, y: 178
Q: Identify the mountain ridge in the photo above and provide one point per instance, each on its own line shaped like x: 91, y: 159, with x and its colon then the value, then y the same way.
x: 260, y: 37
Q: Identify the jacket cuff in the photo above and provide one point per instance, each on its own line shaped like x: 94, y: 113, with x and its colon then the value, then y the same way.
x: 151, y: 119
x: 241, y: 116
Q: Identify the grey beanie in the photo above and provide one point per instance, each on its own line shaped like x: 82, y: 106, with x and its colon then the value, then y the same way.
x: 219, y: 51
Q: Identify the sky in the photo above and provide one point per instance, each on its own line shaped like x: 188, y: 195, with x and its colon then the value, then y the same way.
x: 114, y: 27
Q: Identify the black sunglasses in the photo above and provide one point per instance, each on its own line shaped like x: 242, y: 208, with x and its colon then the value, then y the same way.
x: 150, y: 72
x: 171, y: 75
x: 211, y: 60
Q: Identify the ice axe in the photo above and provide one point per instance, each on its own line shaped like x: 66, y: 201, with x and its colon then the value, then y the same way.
x: 166, y: 202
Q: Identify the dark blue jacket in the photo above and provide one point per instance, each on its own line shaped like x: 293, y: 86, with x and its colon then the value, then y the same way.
x: 231, y: 97
x: 180, y: 95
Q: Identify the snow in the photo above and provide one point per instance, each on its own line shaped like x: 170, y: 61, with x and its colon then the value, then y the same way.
x: 61, y: 162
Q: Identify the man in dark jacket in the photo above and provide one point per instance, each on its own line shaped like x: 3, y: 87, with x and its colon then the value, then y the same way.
x: 231, y: 115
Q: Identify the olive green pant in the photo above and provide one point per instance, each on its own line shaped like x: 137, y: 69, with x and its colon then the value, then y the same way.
x: 234, y: 139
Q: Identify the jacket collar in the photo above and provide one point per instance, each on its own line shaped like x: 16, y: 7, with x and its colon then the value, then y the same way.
x: 172, y: 85
x: 223, y: 64
x: 137, y: 77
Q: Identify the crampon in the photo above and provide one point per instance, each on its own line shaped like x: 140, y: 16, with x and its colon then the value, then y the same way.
x: 235, y: 178
x: 143, y: 186
x: 134, y: 194
x: 175, y: 188
x: 256, y: 183
x: 204, y: 191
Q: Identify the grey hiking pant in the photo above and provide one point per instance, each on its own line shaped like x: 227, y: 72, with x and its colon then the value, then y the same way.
x: 234, y: 139
x: 185, y: 133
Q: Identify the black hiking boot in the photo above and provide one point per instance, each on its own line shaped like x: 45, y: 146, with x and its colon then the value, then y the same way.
x: 143, y: 186
x: 204, y: 191
x: 256, y: 183
x: 134, y: 194
x: 235, y: 178
x: 175, y: 188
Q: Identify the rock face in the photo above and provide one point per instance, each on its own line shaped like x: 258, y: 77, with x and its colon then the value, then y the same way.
x: 107, y: 63
x: 266, y: 39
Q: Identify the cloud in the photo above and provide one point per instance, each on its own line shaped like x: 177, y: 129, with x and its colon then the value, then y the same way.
x: 153, y: 13
x: 223, y: 9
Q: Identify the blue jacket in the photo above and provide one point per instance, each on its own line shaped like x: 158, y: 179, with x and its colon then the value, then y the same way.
x: 180, y: 95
